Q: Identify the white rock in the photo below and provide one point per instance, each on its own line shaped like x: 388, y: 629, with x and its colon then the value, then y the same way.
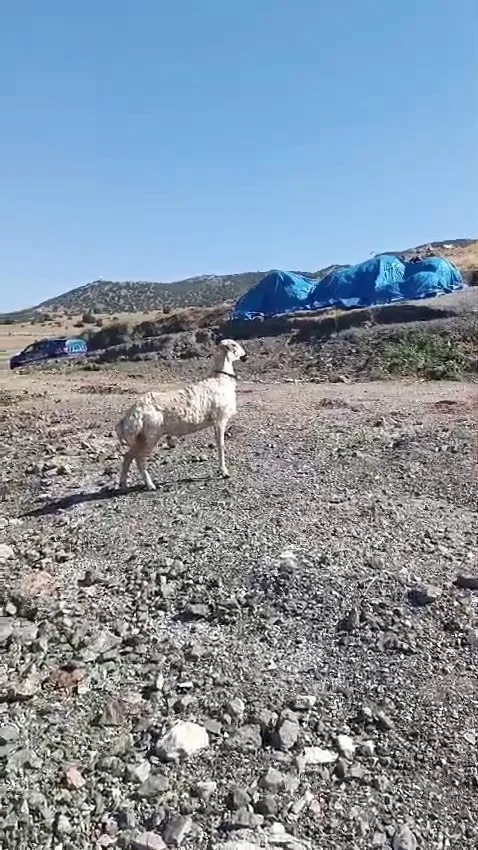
x: 140, y: 772
x: 183, y: 739
x: 346, y: 746
x: 6, y: 552
x: 304, y: 702
x: 238, y: 845
x: 404, y: 839
x: 367, y: 748
x: 236, y: 707
x: 148, y: 841
x: 316, y: 755
x: 206, y: 789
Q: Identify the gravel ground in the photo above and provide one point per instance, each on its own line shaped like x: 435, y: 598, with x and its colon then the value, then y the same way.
x: 314, y: 618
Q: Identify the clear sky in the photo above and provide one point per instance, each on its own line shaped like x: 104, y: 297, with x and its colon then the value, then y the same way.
x: 156, y: 140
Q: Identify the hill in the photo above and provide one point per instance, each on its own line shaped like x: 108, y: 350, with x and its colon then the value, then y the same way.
x: 110, y: 297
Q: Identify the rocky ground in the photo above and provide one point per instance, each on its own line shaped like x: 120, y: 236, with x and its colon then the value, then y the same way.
x: 287, y: 659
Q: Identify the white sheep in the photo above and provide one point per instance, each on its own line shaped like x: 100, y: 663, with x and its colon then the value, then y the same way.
x: 207, y: 404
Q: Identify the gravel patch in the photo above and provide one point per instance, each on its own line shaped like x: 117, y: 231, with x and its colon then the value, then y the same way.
x: 287, y: 659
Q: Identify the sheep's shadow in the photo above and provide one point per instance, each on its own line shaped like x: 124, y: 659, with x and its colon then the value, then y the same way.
x: 52, y: 507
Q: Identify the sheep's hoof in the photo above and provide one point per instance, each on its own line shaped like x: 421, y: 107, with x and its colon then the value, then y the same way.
x: 224, y: 473
x: 151, y: 487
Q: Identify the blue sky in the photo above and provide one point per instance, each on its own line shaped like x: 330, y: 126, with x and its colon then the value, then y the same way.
x: 155, y: 141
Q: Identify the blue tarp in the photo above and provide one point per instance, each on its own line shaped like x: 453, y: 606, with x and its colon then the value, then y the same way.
x: 381, y: 280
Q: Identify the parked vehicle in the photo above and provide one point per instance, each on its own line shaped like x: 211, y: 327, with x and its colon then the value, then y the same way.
x: 49, y: 349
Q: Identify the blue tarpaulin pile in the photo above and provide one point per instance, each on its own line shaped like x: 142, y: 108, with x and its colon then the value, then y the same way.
x: 381, y: 280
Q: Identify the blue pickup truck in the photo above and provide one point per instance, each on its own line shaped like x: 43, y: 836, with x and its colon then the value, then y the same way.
x: 49, y: 349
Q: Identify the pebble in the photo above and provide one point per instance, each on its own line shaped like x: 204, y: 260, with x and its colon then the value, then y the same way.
x: 245, y: 819
x: 113, y: 714
x: 206, y: 789
x: 317, y: 755
x: 178, y: 827
x: 383, y: 721
x: 6, y: 629
x: 237, y: 798
x: 138, y: 772
x: 467, y: 582
x: 74, y: 779
x: 304, y: 702
x: 9, y: 734
x: 266, y: 805
x: 63, y: 825
x: 273, y: 780
x: 6, y: 552
x: 247, y: 739
x: 196, y: 611
x: 346, y: 746
x: 153, y: 786
x: 183, y: 739
x: 404, y: 839
x: 148, y: 841
x: 236, y: 707
x: 424, y: 595
x: 286, y: 735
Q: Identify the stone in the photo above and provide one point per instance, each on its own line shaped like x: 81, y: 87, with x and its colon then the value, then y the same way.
x: 153, y: 786
x: 237, y: 798
x: 404, y: 839
x: 247, y: 739
x: 266, y: 805
x: 113, y: 714
x: 138, y: 772
x: 340, y: 769
x: 345, y: 746
x: 383, y: 721
x: 104, y: 642
x: 245, y: 819
x: 286, y: 735
x: 467, y: 582
x: 206, y: 789
x: 177, y: 828
x: 26, y: 688
x: 273, y: 780
x: 304, y: 702
x: 317, y: 755
x: 74, y: 779
x: 236, y: 707
x: 184, y: 739
x: 196, y: 611
x: 148, y: 841
x: 367, y: 749
x: 350, y: 622
x: 8, y: 734
x: 63, y: 825
x: 6, y: 552
x: 237, y: 845
x: 424, y: 595
x: 6, y: 629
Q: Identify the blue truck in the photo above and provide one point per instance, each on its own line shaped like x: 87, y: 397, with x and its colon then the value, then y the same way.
x: 49, y: 349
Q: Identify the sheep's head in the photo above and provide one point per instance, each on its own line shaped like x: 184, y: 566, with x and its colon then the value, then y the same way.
x: 232, y: 350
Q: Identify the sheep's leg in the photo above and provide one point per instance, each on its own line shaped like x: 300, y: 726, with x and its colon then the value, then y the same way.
x: 141, y: 464
x: 127, y: 460
x: 220, y: 430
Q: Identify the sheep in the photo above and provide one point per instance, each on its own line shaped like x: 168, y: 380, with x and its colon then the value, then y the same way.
x: 210, y: 403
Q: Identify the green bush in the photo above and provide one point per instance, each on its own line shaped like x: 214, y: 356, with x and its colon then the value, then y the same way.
x: 424, y: 354
x: 116, y: 334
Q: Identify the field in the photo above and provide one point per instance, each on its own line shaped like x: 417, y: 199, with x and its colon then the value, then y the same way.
x: 316, y: 615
